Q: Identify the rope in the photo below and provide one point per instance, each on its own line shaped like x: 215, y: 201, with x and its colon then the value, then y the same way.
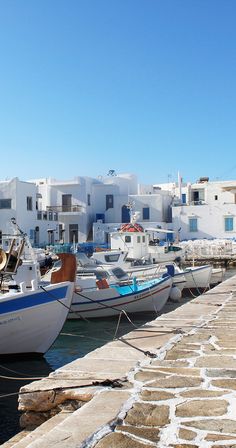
x: 13, y: 371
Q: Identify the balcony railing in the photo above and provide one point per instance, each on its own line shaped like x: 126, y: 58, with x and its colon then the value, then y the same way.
x: 65, y: 208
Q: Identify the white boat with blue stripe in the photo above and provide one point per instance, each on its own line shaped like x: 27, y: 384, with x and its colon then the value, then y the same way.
x: 102, y: 299
x: 32, y: 312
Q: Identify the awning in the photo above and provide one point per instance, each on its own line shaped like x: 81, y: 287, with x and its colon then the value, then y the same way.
x: 154, y: 229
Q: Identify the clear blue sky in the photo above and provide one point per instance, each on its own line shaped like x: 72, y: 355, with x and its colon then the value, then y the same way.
x: 141, y: 86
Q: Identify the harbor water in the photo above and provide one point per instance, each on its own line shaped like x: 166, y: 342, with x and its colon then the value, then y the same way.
x: 77, y: 338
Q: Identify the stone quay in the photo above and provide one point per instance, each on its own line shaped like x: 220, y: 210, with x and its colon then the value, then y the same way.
x: 170, y: 383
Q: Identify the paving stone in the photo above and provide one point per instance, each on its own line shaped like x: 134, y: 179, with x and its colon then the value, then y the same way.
x: 145, y: 375
x: 225, y: 446
x: 176, y: 381
x: 189, y: 371
x: 199, y: 337
x: 224, y: 373
x: 202, y: 393
x: 216, y: 361
x: 187, y: 434
x: 220, y: 425
x: 119, y: 440
x: 147, y: 433
x: 183, y: 445
x: 207, y: 408
x: 179, y: 354
x: 218, y: 437
x: 225, y: 383
x: 155, y: 395
x: 171, y: 363
x: 188, y: 346
x: 148, y: 415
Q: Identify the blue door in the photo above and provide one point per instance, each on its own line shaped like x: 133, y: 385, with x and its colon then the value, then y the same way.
x: 125, y: 214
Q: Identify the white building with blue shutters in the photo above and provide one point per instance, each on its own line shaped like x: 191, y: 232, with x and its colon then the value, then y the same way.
x: 204, y: 209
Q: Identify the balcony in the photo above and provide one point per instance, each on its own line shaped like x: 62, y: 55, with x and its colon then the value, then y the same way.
x: 65, y: 208
x: 200, y: 202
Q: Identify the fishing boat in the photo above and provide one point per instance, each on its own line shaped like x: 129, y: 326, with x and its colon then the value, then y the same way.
x: 32, y: 312
x: 101, y: 299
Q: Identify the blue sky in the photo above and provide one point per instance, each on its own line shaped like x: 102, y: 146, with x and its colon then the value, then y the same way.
x: 140, y: 86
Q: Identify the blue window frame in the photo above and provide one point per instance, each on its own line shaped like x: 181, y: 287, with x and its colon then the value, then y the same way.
x: 193, y: 225
x: 229, y: 224
x: 184, y: 198
x: 146, y: 213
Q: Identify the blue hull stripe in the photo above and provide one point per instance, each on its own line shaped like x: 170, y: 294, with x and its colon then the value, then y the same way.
x: 31, y: 300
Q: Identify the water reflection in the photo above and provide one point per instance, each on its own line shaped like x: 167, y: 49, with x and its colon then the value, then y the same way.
x: 16, y: 368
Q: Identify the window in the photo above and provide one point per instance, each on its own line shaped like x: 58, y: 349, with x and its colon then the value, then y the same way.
x: 229, y: 224
x: 127, y: 239
x: 112, y: 258
x: 109, y: 201
x: 216, y: 197
x: 61, y: 233
x: 50, y: 216
x: 146, y: 213
x: 143, y: 239
x: 193, y: 225
x: 45, y: 216
x: 39, y: 215
x: 89, y: 199
x: 5, y: 203
x: 183, y: 198
x: 29, y: 203
x: 0, y: 237
x: 198, y: 196
x: 138, y: 239
x: 73, y: 233
x: 66, y: 202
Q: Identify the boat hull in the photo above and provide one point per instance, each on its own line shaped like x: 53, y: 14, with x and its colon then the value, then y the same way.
x: 109, y: 302
x: 198, y: 277
x: 31, y: 321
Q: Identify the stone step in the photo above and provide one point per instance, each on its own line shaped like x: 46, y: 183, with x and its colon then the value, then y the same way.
x: 25, y: 438
x: 71, y: 429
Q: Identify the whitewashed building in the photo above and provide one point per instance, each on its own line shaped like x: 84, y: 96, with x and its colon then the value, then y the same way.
x: 204, y: 209
x: 19, y: 200
x: 82, y: 201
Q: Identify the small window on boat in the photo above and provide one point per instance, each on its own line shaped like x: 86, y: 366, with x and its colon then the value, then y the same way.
x: 143, y: 239
x: 39, y: 215
x: 45, y: 216
x: 127, y: 239
x: 138, y: 239
x: 118, y: 272
x: 112, y: 258
x: 216, y: 197
x: 50, y: 216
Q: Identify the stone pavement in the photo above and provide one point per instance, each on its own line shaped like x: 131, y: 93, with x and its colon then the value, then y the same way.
x: 171, y: 383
